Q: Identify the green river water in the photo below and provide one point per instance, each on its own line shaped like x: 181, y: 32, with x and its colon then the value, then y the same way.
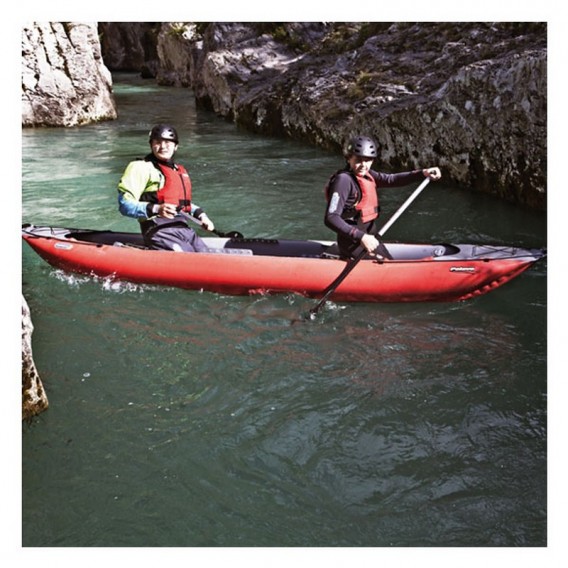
x: 187, y: 419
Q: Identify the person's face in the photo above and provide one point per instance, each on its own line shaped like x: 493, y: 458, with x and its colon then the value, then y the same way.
x: 163, y: 149
x: 360, y: 165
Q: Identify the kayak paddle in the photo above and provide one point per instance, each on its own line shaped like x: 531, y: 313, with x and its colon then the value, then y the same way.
x: 229, y: 235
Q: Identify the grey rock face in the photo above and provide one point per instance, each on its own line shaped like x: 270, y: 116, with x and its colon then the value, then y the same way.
x: 34, y: 398
x: 64, y: 79
x: 469, y: 97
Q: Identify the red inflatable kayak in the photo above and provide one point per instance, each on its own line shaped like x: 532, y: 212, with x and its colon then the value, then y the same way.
x: 238, y: 266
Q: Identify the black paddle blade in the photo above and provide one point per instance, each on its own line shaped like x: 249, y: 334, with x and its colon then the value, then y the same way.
x: 234, y: 235
x: 313, y: 313
x: 230, y: 235
x: 310, y: 316
x: 333, y: 286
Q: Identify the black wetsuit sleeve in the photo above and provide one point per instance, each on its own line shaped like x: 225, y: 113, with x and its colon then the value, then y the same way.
x: 342, y: 195
x: 397, y: 180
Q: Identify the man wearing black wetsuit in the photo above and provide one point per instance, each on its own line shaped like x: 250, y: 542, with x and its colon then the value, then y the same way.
x: 352, y: 193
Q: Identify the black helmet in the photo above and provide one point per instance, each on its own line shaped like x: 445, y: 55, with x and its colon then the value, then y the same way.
x: 164, y: 132
x: 362, y: 146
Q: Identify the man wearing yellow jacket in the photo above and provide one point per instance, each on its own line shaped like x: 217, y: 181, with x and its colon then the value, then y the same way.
x: 157, y: 191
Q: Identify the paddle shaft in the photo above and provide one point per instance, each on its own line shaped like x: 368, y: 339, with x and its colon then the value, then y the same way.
x: 230, y: 234
x: 353, y: 263
x: 403, y: 207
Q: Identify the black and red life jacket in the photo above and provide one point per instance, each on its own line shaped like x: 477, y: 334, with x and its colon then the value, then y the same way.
x: 177, y: 187
x: 366, y: 205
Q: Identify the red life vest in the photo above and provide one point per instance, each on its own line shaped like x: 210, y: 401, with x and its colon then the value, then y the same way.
x: 366, y: 207
x: 177, y: 187
x: 368, y: 204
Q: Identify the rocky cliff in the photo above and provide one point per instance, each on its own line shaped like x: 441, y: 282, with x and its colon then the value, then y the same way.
x: 470, y: 97
x: 64, y: 79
